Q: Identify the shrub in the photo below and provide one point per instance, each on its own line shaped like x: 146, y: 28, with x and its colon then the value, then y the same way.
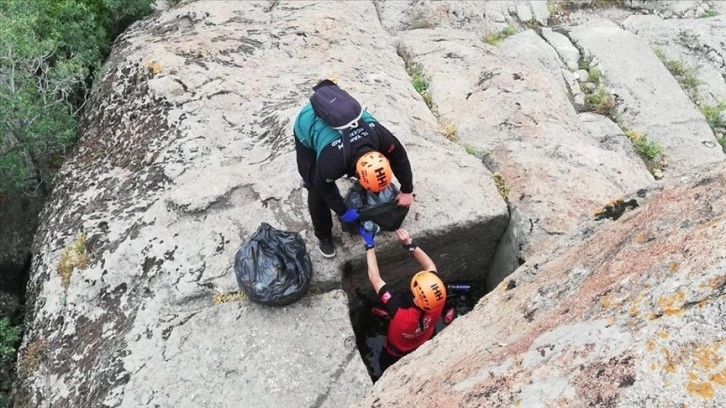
x: 600, y: 101
x: 50, y: 51
x: 713, y: 114
x: 496, y: 38
x: 73, y: 256
x: 595, y: 75
x: 9, y: 341
x: 449, y: 130
x: 648, y: 149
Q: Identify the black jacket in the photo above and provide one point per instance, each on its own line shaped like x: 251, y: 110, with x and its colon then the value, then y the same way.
x: 330, y: 164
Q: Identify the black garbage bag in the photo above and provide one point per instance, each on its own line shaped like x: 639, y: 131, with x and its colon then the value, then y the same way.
x: 380, y: 208
x: 273, y: 267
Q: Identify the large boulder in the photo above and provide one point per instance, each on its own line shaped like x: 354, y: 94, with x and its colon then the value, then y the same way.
x: 522, y: 123
x: 647, y: 98
x: 694, y: 44
x: 187, y: 147
x: 623, y: 314
x: 480, y: 17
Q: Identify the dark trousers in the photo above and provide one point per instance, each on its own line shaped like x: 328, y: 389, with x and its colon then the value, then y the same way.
x: 319, y: 209
x: 386, y: 360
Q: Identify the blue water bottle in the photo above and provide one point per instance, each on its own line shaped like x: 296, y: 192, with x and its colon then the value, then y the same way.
x: 371, y: 226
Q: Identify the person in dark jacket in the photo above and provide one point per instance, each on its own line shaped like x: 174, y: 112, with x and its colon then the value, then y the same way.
x: 375, y: 153
x: 413, y: 316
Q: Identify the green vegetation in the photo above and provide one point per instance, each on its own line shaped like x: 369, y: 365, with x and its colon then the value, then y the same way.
x: 496, y: 38
x: 709, y: 13
x: 420, y: 82
x: 595, y: 75
x: 555, y: 7
x: 600, y: 101
x: 684, y: 74
x: 501, y: 185
x: 73, y: 257
x: 50, y: 52
x: 649, y: 150
x: 9, y: 341
x: 646, y: 148
x: 713, y: 114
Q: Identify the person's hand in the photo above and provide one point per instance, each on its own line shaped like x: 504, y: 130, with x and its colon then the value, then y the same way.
x: 403, y: 237
x: 350, y: 216
x: 368, y: 237
x: 404, y: 199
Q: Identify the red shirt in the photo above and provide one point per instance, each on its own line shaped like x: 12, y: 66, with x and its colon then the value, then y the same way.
x: 405, y: 331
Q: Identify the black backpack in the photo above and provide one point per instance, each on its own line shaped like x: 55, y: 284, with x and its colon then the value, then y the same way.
x: 338, y: 109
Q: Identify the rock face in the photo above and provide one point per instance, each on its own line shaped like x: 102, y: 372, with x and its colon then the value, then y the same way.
x: 522, y: 123
x: 647, y: 98
x: 186, y: 149
x: 18, y: 222
x: 630, y: 315
x: 697, y: 44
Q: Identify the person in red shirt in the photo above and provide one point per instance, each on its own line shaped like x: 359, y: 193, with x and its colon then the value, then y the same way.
x: 412, y: 318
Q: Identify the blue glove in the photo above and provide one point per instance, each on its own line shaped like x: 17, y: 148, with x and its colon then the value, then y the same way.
x: 350, y: 216
x: 368, y: 237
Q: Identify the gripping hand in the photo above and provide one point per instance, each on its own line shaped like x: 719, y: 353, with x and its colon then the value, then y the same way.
x: 368, y: 237
x: 350, y: 216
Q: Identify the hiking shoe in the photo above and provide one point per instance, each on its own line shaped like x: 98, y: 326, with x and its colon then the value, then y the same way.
x: 327, y: 248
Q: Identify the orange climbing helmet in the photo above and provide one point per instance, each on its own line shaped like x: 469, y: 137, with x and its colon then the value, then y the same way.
x: 429, y: 292
x: 374, y: 171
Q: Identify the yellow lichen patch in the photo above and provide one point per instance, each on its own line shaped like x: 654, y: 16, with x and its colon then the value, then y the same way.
x: 674, y: 267
x: 517, y: 402
x: 653, y: 366
x: 670, y: 364
x: 32, y: 356
x: 707, y: 357
x: 633, y: 310
x: 605, y: 300
x: 702, y: 389
x: 153, y: 67
x: 692, y: 376
x: 228, y: 297
x: 719, y: 378
x: 640, y: 238
x: 611, y: 321
x: 73, y: 256
x: 649, y: 345
x: 672, y: 305
x: 663, y: 335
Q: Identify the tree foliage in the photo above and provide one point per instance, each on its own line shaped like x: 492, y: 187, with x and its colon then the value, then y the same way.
x: 50, y: 51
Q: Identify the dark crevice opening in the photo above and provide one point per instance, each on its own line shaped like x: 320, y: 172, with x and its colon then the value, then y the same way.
x: 462, y: 256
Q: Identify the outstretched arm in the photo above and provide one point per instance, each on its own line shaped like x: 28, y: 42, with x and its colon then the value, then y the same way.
x: 374, y: 274
x: 421, y: 257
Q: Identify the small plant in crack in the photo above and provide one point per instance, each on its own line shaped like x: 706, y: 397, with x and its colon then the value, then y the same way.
x: 501, y: 185
x: 496, y: 38
x: 595, y: 75
x: 600, y: 101
x: 709, y: 13
x: 714, y: 114
x: 449, y: 130
x: 649, y: 150
x: 226, y: 297
x: 73, y: 257
x: 681, y: 71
